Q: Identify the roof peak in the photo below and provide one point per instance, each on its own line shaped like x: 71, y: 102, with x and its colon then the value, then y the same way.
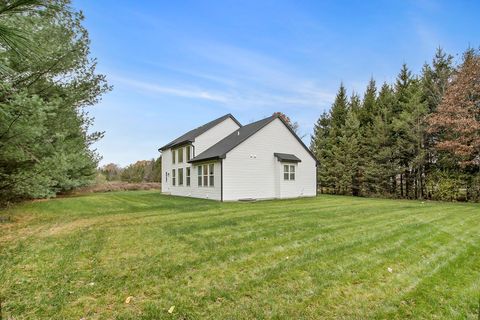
x: 192, y: 134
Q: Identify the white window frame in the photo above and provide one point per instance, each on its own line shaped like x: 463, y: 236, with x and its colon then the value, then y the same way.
x: 180, y: 155
x: 289, y: 172
x: 211, y: 175
x: 205, y: 176
x: 180, y: 177
x: 199, y: 176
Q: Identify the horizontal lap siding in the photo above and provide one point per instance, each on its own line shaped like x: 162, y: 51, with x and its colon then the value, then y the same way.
x: 200, y: 192
x: 201, y: 143
x: 215, y: 134
x: 252, y: 171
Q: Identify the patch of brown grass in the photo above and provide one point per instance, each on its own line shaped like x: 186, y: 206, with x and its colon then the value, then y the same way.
x: 118, y: 186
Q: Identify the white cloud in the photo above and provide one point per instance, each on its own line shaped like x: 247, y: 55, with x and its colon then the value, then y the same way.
x: 186, y: 92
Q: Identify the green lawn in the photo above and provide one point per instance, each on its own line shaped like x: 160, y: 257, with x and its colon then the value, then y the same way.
x: 324, y: 257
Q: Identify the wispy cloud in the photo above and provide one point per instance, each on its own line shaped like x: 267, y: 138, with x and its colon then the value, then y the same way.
x: 186, y: 92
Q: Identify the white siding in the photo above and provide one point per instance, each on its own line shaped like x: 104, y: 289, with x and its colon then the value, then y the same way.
x: 166, y: 169
x: 201, y: 143
x: 251, y: 170
x: 215, y: 134
x: 194, y: 190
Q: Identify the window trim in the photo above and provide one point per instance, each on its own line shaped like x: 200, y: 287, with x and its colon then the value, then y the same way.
x: 199, y: 176
x: 180, y: 177
x: 205, y: 175
x: 289, y: 172
x: 180, y: 155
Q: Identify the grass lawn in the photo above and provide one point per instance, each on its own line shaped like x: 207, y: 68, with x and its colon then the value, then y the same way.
x: 324, y: 257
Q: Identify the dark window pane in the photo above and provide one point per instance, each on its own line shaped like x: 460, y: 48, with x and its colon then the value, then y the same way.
x: 292, y: 176
x: 285, y: 176
x: 212, y: 178
x: 205, y: 181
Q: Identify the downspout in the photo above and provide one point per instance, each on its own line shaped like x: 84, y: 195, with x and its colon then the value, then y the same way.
x: 221, y: 180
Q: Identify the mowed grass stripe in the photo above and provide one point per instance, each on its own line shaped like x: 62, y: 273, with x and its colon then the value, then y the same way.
x: 229, y: 260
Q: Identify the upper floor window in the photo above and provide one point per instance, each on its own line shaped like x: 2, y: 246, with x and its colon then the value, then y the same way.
x: 173, y: 177
x: 173, y: 156
x: 188, y: 151
x: 288, y: 172
x: 180, y: 176
x: 180, y: 155
x: 187, y: 176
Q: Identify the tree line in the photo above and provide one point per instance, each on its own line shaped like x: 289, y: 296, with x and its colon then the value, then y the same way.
x: 140, y: 171
x: 47, y: 79
x: 418, y: 138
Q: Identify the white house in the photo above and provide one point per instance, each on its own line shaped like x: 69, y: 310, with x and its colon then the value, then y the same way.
x: 223, y: 160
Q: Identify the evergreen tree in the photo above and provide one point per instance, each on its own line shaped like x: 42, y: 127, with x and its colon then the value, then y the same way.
x: 369, y: 108
x: 320, y: 146
x: 346, y: 153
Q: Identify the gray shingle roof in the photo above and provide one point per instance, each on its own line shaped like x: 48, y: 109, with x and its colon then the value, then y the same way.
x: 192, y: 134
x: 221, y: 148
x: 287, y: 157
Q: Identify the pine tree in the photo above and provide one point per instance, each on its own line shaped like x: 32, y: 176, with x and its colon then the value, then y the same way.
x: 369, y: 104
x: 346, y: 153
x: 320, y: 147
x: 338, y: 116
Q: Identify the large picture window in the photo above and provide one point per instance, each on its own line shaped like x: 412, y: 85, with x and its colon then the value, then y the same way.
x: 187, y: 176
x: 288, y: 172
x: 173, y: 177
x: 180, y: 176
x: 206, y: 175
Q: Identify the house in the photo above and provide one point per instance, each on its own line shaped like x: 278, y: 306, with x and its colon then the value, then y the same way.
x: 223, y: 160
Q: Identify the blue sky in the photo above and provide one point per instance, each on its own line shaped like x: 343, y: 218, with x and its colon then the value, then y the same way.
x: 175, y: 65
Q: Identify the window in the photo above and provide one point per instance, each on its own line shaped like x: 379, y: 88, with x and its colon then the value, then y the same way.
x: 199, y: 175
x: 173, y: 156
x: 211, y: 176
x: 180, y: 176
x: 206, y: 175
x: 188, y: 151
x: 173, y: 177
x: 187, y: 175
x: 288, y: 172
x: 180, y: 155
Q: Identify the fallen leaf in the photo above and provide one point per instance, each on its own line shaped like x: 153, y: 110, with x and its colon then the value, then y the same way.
x: 129, y: 298
x: 390, y: 269
x: 171, y: 309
